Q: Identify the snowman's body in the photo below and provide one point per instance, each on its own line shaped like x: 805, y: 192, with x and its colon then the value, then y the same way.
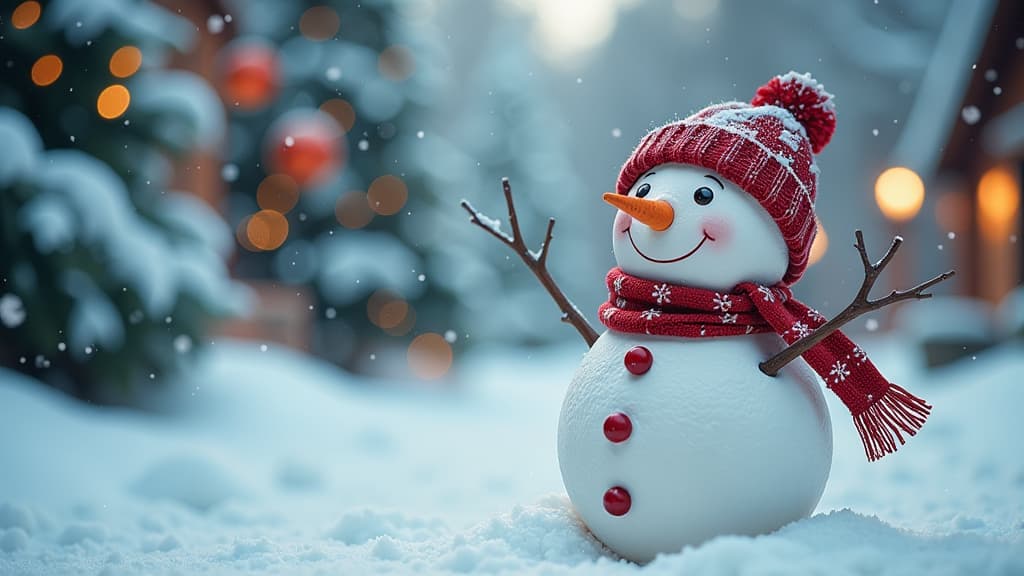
x: 716, y: 446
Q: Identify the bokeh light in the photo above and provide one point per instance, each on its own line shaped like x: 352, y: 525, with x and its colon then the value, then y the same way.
x: 352, y: 210
x: 307, y: 145
x: 278, y: 192
x: 242, y: 235
x: 568, y: 29
x: 267, y: 229
x: 430, y: 356
x: 319, y: 23
x: 125, y: 61
x: 406, y: 325
x: 386, y: 309
x: 899, y: 193
x: 387, y: 195
x: 250, y: 70
x: 113, y: 101
x: 342, y: 112
x: 819, y: 247
x: 26, y: 14
x: 46, y: 70
x: 998, y: 201
x: 396, y: 62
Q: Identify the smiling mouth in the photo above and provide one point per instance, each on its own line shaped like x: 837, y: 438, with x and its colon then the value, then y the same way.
x: 670, y: 260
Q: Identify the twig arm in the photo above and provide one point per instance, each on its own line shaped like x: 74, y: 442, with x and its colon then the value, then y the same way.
x: 536, y: 262
x: 862, y: 304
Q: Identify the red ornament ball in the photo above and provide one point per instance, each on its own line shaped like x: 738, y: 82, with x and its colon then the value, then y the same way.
x: 307, y: 145
x: 617, y: 501
x: 638, y: 360
x: 250, y: 74
x: 617, y: 427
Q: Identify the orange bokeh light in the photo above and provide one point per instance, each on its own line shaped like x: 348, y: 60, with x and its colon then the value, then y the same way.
x: 387, y: 195
x: 386, y: 309
x: 319, y: 23
x: 353, y: 210
x: 113, y: 101
x: 125, y: 61
x: 405, y: 325
x: 47, y: 70
x: 899, y: 193
x: 267, y: 230
x: 242, y: 235
x: 26, y: 14
x: 278, y: 192
x: 998, y: 201
x: 342, y: 112
x: 430, y: 356
x: 819, y: 247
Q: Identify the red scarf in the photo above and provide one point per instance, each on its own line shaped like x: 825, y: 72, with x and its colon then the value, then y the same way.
x: 882, y: 411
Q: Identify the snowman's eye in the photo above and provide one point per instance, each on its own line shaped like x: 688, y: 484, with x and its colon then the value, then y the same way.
x: 703, y: 195
x: 643, y: 190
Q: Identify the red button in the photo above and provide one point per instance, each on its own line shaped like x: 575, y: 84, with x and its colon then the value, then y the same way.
x: 639, y: 360
x: 617, y: 427
x: 617, y: 501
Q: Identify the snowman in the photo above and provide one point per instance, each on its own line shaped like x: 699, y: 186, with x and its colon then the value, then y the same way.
x: 687, y: 419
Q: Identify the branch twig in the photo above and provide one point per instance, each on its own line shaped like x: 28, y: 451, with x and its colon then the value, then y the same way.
x: 861, y: 304
x: 536, y: 262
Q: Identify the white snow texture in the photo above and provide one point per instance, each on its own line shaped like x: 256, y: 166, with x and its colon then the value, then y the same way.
x: 80, y: 201
x: 273, y: 463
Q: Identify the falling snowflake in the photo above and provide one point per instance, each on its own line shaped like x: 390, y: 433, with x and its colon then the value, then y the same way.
x: 800, y: 329
x: 729, y: 318
x: 650, y: 314
x: 722, y: 302
x: 215, y: 24
x: 182, y: 343
x: 618, y: 284
x: 971, y: 115
x: 12, y: 310
x: 840, y: 371
x: 766, y: 293
x: 662, y: 293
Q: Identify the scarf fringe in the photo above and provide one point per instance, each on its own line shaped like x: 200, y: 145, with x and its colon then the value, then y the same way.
x: 885, y: 421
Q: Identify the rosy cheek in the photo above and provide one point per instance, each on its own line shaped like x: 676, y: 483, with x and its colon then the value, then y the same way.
x: 622, y: 221
x: 719, y: 229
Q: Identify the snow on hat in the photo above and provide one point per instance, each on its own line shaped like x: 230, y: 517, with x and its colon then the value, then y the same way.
x: 765, y: 147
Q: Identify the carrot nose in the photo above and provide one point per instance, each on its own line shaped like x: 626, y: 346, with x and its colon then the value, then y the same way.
x: 657, y: 214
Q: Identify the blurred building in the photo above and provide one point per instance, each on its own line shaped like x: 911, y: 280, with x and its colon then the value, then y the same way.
x: 977, y: 169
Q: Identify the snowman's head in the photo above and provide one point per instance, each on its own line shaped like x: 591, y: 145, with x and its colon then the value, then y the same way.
x: 688, y: 225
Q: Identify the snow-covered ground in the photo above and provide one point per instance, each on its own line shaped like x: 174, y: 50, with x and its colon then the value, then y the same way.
x: 274, y: 463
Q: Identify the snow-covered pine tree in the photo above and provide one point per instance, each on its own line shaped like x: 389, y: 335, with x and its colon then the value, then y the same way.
x: 107, y: 278
x: 356, y: 78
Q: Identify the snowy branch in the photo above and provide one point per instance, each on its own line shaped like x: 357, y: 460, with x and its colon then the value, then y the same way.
x: 535, y: 261
x: 861, y: 304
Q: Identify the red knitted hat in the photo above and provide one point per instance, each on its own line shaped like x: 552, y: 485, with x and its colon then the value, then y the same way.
x: 765, y: 147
